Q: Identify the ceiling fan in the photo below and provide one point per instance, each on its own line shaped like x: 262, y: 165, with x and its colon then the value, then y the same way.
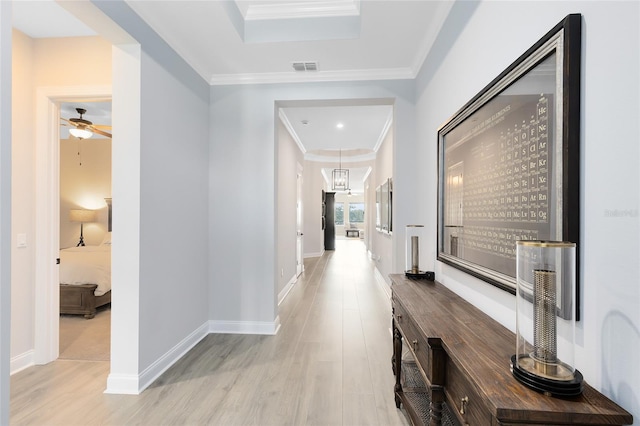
x: 84, y: 129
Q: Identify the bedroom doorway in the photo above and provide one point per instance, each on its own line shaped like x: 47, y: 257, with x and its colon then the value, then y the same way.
x: 85, y: 232
x: 49, y: 214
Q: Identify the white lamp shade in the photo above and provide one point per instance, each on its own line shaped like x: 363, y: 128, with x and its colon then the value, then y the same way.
x: 82, y: 215
x: 81, y: 133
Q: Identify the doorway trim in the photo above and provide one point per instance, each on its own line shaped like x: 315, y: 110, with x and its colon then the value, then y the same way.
x: 299, y: 220
x: 47, y: 212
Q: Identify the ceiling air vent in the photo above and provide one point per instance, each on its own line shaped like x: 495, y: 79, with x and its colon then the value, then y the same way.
x: 305, y: 66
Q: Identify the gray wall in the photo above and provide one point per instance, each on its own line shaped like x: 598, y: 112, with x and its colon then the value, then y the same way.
x: 174, y: 210
x: 181, y: 283
x: 242, y: 256
x: 160, y: 204
x: 477, y: 43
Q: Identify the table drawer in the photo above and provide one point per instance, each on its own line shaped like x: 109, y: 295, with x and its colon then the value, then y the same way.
x: 413, y: 339
x: 464, y: 398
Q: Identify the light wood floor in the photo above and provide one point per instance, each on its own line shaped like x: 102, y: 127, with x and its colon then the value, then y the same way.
x: 328, y: 365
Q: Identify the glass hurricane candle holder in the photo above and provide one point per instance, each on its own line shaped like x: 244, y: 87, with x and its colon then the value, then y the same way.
x: 414, y: 236
x: 545, y: 319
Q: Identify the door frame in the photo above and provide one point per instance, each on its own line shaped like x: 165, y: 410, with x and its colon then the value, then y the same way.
x: 47, y: 211
x: 299, y: 220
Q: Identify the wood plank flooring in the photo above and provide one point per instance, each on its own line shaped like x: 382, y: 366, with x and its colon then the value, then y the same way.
x: 328, y: 365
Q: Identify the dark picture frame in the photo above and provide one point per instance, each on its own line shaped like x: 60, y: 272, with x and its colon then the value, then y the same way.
x: 509, y: 162
x: 384, y: 207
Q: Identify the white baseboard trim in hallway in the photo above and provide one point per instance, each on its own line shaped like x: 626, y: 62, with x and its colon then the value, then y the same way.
x: 245, y: 327
x: 382, y: 283
x: 287, y: 288
x: 136, y: 384
x: 22, y: 361
x: 309, y: 255
x: 130, y: 384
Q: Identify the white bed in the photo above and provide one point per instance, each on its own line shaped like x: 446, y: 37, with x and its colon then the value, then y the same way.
x: 85, y: 278
x: 87, y: 265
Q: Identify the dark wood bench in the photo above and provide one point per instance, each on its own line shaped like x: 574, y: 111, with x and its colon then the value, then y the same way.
x: 352, y: 232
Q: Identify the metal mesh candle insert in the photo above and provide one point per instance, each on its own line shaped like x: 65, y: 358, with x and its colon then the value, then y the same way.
x: 545, y: 323
x: 544, y: 320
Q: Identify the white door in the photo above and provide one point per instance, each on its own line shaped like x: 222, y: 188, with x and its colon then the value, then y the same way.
x: 299, y: 233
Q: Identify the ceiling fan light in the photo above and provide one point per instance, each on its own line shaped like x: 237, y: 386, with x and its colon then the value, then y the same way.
x: 81, y: 133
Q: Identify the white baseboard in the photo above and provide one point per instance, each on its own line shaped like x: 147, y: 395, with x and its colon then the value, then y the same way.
x: 22, y: 361
x: 134, y: 385
x: 382, y: 282
x: 287, y: 288
x: 131, y: 384
x: 307, y: 255
x: 245, y: 327
x: 123, y: 384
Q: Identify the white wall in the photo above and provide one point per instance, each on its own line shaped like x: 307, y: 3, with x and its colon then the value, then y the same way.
x: 84, y: 186
x: 312, y: 195
x: 289, y: 157
x: 381, y: 244
x: 477, y: 43
x: 242, y: 259
x: 22, y: 200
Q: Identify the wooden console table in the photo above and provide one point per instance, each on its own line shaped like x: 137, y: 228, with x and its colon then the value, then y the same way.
x: 463, y: 356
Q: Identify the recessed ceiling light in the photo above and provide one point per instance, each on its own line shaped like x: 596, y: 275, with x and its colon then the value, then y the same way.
x: 340, y: 125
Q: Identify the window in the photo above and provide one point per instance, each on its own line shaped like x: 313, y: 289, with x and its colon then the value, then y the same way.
x: 356, y: 213
x: 339, y: 208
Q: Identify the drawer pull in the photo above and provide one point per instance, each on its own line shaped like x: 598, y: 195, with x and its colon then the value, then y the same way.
x: 463, y: 404
x: 415, y: 345
x: 399, y: 316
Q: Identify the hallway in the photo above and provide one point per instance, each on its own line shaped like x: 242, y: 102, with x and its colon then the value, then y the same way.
x: 330, y: 364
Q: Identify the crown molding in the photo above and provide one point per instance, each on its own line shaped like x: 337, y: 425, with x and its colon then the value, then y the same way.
x: 287, y: 124
x: 313, y: 76
x: 385, y: 130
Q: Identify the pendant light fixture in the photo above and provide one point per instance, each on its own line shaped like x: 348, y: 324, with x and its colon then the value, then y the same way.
x: 340, y: 177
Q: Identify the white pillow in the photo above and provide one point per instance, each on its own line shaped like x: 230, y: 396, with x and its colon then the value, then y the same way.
x: 106, y: 241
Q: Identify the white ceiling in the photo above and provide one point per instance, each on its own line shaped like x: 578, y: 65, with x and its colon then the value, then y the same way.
x: 256, y: 41
x: 45, y: 18
x: 354, y: 129
x: 386, y: 39
x: 341, y: 134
